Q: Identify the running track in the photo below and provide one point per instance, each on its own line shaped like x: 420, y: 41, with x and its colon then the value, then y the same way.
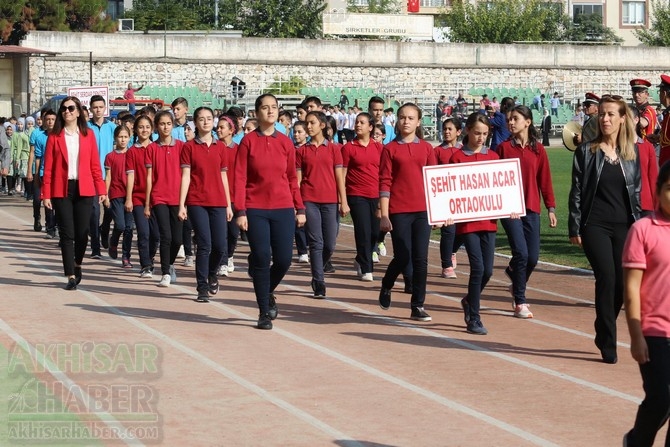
x: 335, y: 372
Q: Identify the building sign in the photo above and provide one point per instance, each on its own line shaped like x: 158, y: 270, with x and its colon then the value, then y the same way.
x: 417, y: 26
x: 474, y: 191
x: 85, y: 93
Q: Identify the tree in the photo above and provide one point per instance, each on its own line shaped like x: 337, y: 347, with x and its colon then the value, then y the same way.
x: 280, y: 18
x: 375, y: 7
x: 171, y: 15
x: 589, y: 27
x: 659, y: 33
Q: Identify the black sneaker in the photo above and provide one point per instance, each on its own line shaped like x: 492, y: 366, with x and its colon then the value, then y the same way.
x: 319, y: 288
x: 476, y: 327
x: 385, y: 298
x: 264, y: 321
x: 96, y: 256
x: 274, y: 310
x: 213, y: 284
x: 419, y: 314
x: 51, y: 234
x: 113, y: 251
x: 77, y: 274
x: 71, y: 284
x: 104, y: 238
x: 466, y: 309
x: 408, y: 286
x: 328, y: 267
x: 37, y: 226
x: 203, y: 296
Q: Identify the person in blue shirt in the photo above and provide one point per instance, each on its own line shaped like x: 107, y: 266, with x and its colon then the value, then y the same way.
x: 103, y: 129
x: 38, y: 144
x: 180, y: 112
x: 376, y: 109
x: 499, y: 122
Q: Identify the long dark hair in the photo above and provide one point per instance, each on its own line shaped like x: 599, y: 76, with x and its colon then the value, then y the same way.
x: 472, y: 120
x: 82, y: 119
x: 533, y: 134
x: 136, y: 124
x: 322, y: 119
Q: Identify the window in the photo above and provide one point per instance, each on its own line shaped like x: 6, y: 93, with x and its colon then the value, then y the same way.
x: 361, y: 2
x: 435, y: 3
x: 578, y: 9
x: 115, y: 9
x: 633, y: 13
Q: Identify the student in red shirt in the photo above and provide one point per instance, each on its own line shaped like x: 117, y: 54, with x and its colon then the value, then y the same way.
x: 268, y: 202
x: 403, y: 207
x: 300, y: 139
x: 204, y: 189
x: 524, y: 234
x: 115, y: 180
x: 479, y: 237
x: 136, y: 190
x: 451, y: 130
x: 162, y: 195
x: 319, y: 171
x: 360, y: 159
x: 72, y: 178
x: 225, y: 129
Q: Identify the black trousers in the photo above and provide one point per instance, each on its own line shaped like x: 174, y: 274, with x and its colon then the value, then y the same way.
x: 366, y: 229
x: 171, y: 232
x: 73, y: 215
x: 603, y: 246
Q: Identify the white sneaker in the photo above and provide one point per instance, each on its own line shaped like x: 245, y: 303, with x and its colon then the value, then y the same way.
x: 173, y: 274
x: 303, y: 259
x: 367, y: 277
x: 375, y: 257
x: 222, y: 271
x: 165, y: 281
x: 180, y: 253
x: 357, y: 267
x: 188, y: 261
x: 382, y: 249
x: 522, y: 311
x: 231, y: 265
x: 146, y: 273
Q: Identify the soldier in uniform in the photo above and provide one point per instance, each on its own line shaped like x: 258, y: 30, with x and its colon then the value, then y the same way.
x: 664, y: 154
x: 590, y: 105
x: 648, y: 120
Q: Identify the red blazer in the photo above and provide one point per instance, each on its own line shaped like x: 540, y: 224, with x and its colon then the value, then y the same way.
x: 56, y: 164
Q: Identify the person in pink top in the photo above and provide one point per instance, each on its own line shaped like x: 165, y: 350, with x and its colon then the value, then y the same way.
x: 115, y: 166
x: 403, y: 207
x: 268, y: 204
x: 524, y: 234
x: 129, y: 95
x: 646, y: 263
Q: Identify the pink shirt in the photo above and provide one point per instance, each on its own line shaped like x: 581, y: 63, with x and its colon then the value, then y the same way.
x: 647, y: 249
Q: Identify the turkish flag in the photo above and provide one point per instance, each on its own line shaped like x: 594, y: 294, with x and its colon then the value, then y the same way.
x: 412, y: 5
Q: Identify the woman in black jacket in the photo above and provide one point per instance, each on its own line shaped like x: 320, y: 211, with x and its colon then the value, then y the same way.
x: 604, y: 202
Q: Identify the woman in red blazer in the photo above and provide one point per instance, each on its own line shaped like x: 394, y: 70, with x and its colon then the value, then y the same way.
x: 72, y: 178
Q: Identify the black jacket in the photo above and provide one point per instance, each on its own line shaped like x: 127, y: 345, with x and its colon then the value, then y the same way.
x: 586, y: 169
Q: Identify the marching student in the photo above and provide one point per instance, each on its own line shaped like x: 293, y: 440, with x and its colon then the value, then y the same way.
x: 403, y: 207
x: 72, y: 179
x: 321, y: 180
x: 479, y: 237
x: 162, y: 195
x: 225, y: 129
x: 269, y: 205
x: 451, y: 131
x: 204, y: 189
x: 646, y: 263
x: 136, y: 191
x: 360, y: 159
x: 524, y: 234
x: 300, y: 138
x: 115, y: 180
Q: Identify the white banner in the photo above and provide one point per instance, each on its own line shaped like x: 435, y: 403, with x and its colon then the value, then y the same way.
x: 468, y: 192
x: 85, y: 93
x: 418, y: 26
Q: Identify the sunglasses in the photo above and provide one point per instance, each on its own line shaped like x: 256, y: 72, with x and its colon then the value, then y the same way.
x: 70, y: 109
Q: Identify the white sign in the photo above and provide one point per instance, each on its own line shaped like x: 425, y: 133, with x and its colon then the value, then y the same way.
x: 85, y: 93
x: 468, y: 192
x: 418, y: 26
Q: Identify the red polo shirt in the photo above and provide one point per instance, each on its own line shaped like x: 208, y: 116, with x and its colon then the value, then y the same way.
x: 231, y: 152
x: 135, y: 164
x: 362, y: 164
x: 317, y: 165
x: 465, y: 155
x: 115, y: 162
x: 443, y: 153
x: 206, y: 164
x: 164, y: 161
x: 265, y: 175
x: 401, y: 174
x: 535, y: 173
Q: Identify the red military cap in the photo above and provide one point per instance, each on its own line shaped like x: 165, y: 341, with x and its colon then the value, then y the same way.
x: 640, y: 83
x: 591, y: 98
x: 665, y: 82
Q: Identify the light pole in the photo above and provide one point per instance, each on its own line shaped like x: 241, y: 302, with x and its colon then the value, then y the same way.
x: 216, y: 14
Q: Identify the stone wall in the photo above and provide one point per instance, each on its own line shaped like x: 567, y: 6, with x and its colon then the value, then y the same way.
x: 403, y: 69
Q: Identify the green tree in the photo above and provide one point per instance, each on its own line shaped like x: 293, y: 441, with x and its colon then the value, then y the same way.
x: 590, y: 28
x: 11, y: 18
x: 659, y: 33
x: 280, y: 18
x: 376, y: 7
x: 171, y: 15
